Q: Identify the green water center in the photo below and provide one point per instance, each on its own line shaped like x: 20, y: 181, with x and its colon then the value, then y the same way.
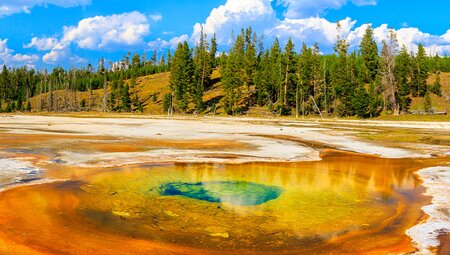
x: 241, y: 193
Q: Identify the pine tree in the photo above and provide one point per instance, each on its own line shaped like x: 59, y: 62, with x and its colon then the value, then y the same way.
x: 203, y: 70
x: 213, y: 51
x: 419, y: 82
x: 316, y: 70
x: 126, y: 101
x: 375, y: 105
x: 402, y: 74
x: 4, y: 84
x: 436, y: 64
x: 342, y: 79
x: 182, y: 76
x: 436, y: 88
x: 276, y: 70
x: 361, y: 102
x: 290, y: 82
x: 250, y: 60
x: 306, y: 77
x: 102, y: 71
x: 369, y: 52
x: 233, y: 76
x: 169, y: 58
x: 263, y: 79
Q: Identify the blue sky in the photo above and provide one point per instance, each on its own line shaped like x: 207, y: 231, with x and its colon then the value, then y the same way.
x: 47, y: 33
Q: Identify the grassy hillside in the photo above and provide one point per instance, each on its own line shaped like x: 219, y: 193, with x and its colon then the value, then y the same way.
x: 439, y: 103
x: 151, y: 90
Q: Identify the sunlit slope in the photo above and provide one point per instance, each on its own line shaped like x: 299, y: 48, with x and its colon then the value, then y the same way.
x: 150, y: 90
x: 439, y: 103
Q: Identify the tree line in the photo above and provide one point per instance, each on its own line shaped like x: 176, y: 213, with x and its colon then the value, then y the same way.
x: 57, y: 90
x: 362, y: 83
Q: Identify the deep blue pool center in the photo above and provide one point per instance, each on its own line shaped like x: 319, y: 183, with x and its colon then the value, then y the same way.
x: 241, y: 193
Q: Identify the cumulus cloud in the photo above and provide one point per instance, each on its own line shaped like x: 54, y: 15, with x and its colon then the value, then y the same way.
x: 409, y: 37
x: 8, y: 57
x: 259, y: 14
x: 58, y: 54
x: 311, y: 30
x: 108, y: 32
x: 234, y: 15
x: 302, y: 23
x: 434, y: 44
x: 9, y: 7
x: 42, y: 44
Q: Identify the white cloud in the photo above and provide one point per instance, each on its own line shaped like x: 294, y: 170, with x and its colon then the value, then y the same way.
x: 259, y: 14
x: 446, y: 36
x: 118, y: 31
x: 156, y: 17
x: 234, y: 15
x: 108, y: 32
x: 171, y: 44
x: 311, y: 30
x: 62, y: 53
x: 7, y: 56
x: 410, y: 37
x: 237, y: 14
x: 42, y: 44
x: 58, y: 54
x: 9, y: 7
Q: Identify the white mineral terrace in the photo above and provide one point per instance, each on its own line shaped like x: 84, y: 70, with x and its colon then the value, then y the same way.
x: 425, y: 235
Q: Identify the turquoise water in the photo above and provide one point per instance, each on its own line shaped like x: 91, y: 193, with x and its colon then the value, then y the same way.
x: 239, y: 193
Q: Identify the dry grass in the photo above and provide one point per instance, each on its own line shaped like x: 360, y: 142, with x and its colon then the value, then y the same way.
x: 415, y: 117
x: 438, y: 103
x: 150, y: 89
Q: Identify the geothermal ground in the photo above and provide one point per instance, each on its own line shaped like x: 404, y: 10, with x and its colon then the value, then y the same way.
x: 37, y: 152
